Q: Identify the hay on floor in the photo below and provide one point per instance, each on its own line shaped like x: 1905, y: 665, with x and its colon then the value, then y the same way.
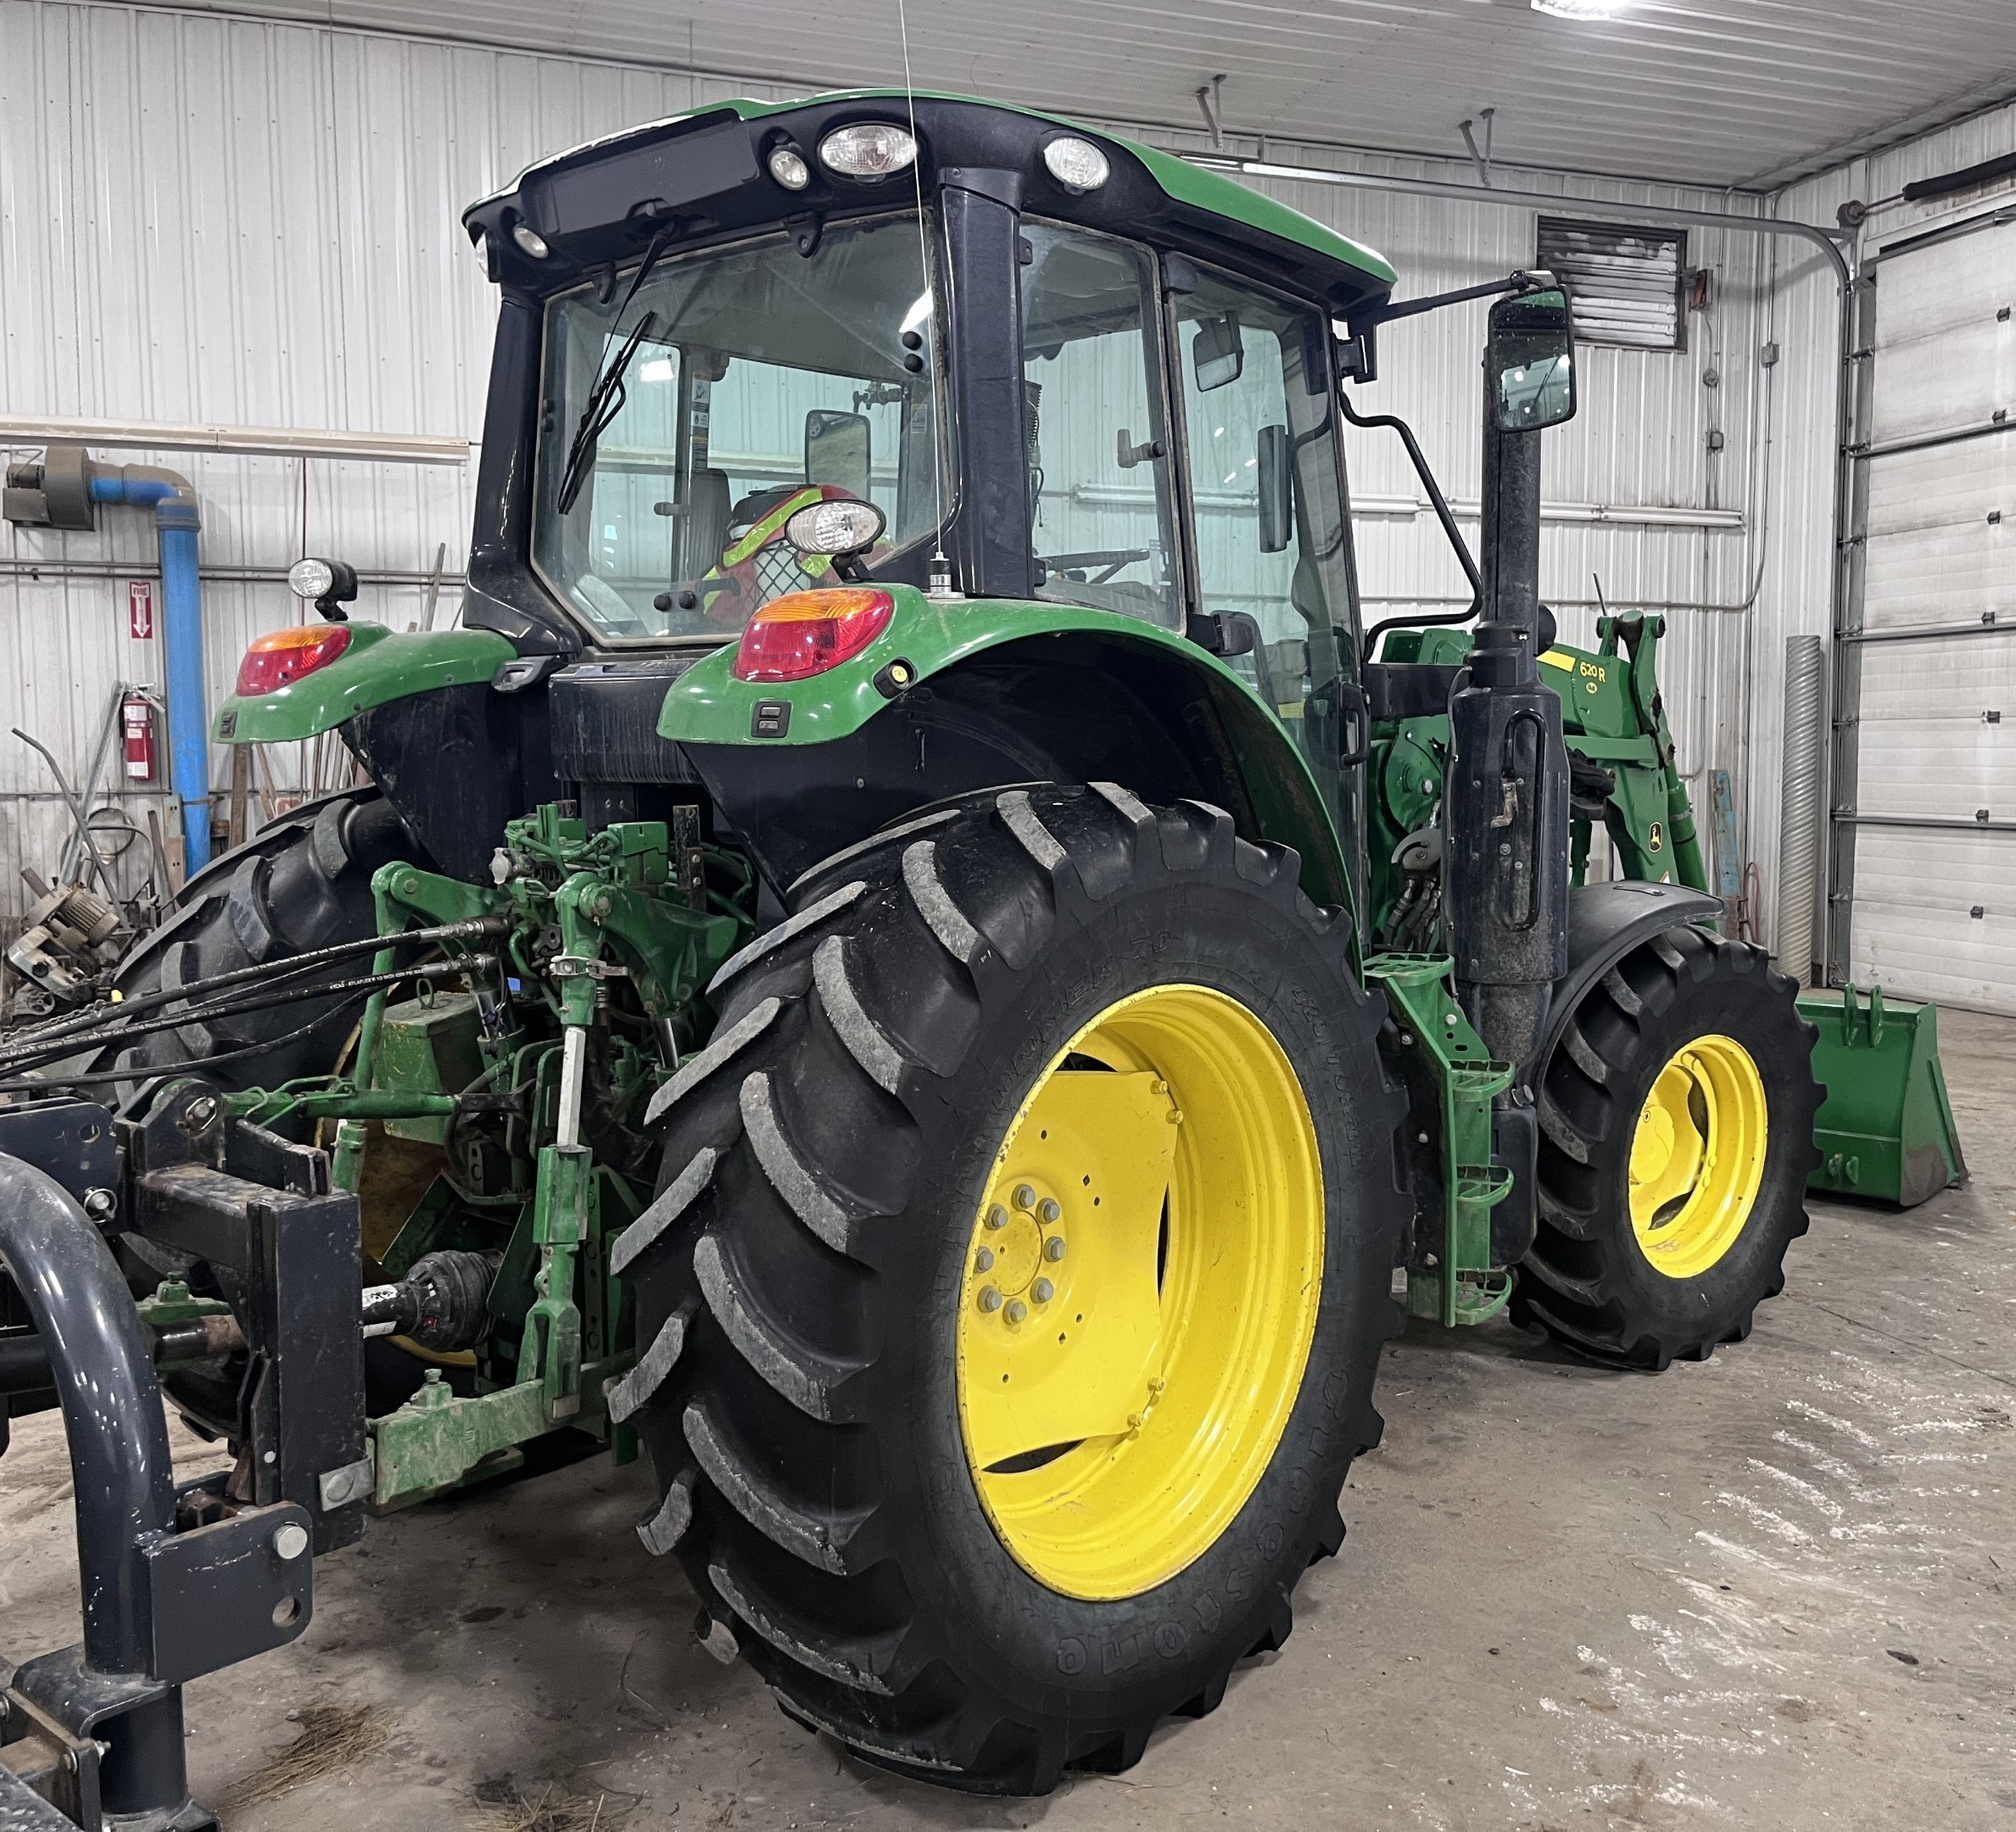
x: 547, y: 1806
x: 332, y: 1739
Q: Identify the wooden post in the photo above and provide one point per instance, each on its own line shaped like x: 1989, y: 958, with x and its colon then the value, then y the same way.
x: 240, y: 789
x: 170, y: 860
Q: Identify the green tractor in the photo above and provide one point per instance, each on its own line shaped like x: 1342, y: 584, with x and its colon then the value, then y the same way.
x: 911, y: 959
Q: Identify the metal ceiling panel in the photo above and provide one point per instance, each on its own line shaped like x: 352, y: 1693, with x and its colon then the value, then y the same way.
x: 1749, y: 92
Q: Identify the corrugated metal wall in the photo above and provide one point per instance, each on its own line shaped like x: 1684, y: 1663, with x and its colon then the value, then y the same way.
x: 230, y: 221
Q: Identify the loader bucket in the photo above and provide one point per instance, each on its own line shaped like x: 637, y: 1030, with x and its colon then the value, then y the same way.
x: 1886, y: 1127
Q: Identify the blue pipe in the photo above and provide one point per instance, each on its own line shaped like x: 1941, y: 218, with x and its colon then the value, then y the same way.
x: 177, y: 517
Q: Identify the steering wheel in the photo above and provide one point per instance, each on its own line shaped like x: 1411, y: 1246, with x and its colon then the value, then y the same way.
x: 1112, y: 558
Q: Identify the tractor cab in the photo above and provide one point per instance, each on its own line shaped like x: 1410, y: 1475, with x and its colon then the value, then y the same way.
x: 1075, y: 369
x: 1063, y: 369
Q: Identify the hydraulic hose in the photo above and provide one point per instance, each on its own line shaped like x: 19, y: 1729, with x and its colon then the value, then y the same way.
x: 15, y: 1061
x: 99, y: 1077
x: 106, y: 1010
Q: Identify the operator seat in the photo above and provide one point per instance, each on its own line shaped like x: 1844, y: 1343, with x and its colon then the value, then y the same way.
x: 709, y: 497
x: 757, y: 562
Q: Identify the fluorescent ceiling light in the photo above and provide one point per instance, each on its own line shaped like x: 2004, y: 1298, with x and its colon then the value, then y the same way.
x: 1580, y: 9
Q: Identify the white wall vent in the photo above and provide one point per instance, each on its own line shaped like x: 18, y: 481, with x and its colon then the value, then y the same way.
x: 1623, y: 282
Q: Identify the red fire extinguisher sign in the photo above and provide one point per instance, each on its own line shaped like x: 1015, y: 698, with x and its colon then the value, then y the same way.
x: 137, y: 726
x: 140, y: 609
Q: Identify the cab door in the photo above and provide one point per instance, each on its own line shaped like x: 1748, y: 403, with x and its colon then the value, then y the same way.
x: 1269, y: 534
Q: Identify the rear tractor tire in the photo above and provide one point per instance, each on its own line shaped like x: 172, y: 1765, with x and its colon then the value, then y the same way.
x: 1008, y: 1315
x: 1676, y: 1137
x: 301, y: 883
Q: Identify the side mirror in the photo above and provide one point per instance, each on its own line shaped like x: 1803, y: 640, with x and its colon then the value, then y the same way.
x: 1277, y: 489
x: 1216, y: 354
x: 1531, y: 361
x: 837, y: 451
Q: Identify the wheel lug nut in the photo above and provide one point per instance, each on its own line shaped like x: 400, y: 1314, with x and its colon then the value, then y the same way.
x: 983, y: 1261
x: 1053, y: 1248
x: 1017, y: 1310
x: 1050, y: 1211
x: 1043, y: 1291
x: 990, y: 1299
x: 997, y: 1216
x: 1025, y: 1196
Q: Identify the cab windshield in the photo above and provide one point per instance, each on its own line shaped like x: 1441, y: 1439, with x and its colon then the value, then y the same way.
x: 748, y: 382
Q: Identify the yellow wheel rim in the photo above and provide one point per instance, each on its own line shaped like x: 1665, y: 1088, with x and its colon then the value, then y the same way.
x: 1697, y: 1156
x: 1139, y: 1292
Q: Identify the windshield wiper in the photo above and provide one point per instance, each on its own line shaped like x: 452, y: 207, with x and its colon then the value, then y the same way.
x: 605, y: 393
x: 605, y: 398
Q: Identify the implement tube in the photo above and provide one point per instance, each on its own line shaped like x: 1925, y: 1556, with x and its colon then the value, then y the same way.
x: 101, y: 1367
x: 177, y: 518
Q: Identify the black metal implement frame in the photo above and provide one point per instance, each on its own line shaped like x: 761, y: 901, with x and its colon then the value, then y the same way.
x: 177, y: 1581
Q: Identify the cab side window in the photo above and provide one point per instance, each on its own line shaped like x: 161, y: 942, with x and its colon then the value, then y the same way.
x: 1098, y: 453
x: 1271, y: 538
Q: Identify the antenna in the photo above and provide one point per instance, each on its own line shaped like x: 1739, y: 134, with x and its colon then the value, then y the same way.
x: 940, y: 572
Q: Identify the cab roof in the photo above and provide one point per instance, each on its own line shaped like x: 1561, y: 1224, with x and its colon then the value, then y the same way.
x: 955, y: 131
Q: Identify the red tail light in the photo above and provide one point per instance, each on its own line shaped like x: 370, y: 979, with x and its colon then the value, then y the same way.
x: 286, y: 655
x: 805, y: 632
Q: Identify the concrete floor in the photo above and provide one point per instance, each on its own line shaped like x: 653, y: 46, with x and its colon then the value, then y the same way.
x: 1772, y: 1590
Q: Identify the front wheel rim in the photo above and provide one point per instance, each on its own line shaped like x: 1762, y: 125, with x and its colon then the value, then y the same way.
x: 1140, y: 1292
x: 1697, y: 1156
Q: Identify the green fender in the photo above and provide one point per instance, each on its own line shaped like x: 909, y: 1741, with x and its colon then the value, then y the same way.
x: 378, y: 666
x: 937, y: 639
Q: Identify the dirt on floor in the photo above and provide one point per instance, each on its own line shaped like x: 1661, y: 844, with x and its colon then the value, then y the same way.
x: 1775, y: 1589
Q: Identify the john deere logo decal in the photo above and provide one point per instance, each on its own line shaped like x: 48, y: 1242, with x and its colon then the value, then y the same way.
x: 1655, y: 841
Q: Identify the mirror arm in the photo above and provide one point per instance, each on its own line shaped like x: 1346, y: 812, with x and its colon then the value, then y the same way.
x: 1516, y: 282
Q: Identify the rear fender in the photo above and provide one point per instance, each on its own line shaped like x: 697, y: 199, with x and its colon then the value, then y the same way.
x: 378, y: 666
x: 1606, y: 921
x: 996, y: 693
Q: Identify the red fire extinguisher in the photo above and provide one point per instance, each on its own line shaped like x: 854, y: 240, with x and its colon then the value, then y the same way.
x: 136, y: 721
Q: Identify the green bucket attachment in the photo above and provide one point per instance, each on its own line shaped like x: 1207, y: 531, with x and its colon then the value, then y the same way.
x: 1886, y: 1128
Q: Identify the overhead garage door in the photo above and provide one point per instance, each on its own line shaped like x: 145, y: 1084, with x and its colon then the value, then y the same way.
x: 1930, y: 879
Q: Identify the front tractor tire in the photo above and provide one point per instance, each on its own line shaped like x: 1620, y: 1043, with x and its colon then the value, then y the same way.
x: 1009, y: 1312
x: 1676, y: 1137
